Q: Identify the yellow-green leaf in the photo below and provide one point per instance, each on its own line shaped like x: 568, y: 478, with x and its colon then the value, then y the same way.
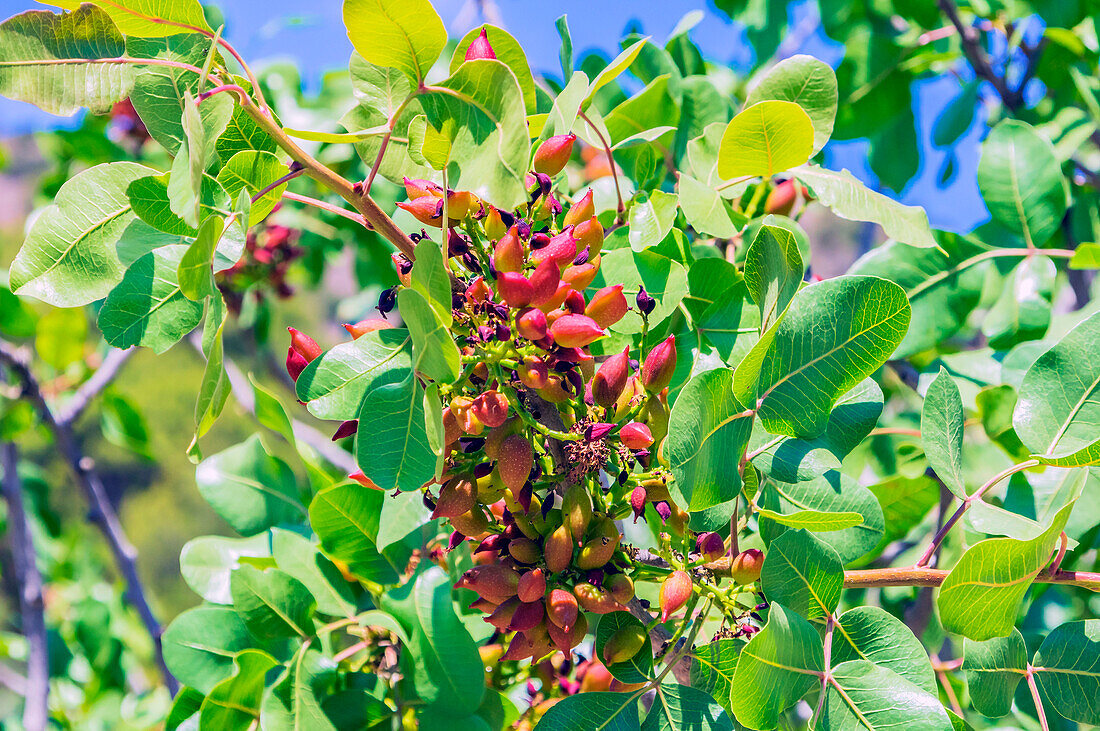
x: 765, y: 139
x: 405, y: 34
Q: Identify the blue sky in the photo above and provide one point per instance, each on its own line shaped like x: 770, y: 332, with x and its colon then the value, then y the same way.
x: 312, y: 34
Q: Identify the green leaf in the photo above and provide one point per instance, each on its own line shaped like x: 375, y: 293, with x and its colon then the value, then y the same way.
x: 234, y: 703
x: 345, y: 518
x: 832, y: 492
x: 788, y: 459
x: 143, y: 17
x: 249, y: 488
x: 773, y: 273
x: 836, y: 333
x: 814, y: 521
x: 850, y: 199
x: 402, y: 515
x: 32, y: 43
x: 776, y: 668
x: 981, y: 596
x: 664, y: 279
x: 160, y: 92
x: 599, y: 710
x: 435, y: 353
x: 1085, y: 457
x: 147, y: 307
x: 764, y: 139
x: 270, y: 412
x: 802, y: 573
x: 944, y: 285
x: 563, y: 114
x: 69, y: 258
x: 1067, y: 665
x: 294, y: 702
x: 873, y: 634
x: 447, y: 671
x: 809, y: 83
x: 905, y: 502
x: 678, y: 707
x: 254, y: 170
x: 509, y: 52
x: 566, y: 53
x: 869, y: 697
x: 215, y: 387
x: 1086, y: 256
x: 941, y: 428
x: 200, y: 643
x: 196, y: 266
x: 395, y: 452
x: 479, y: 108
x: 206, y: 562
x: 707, y: 432
x: 957, y: 116
x: 713, y: 666
x: 243, y: 133
x: 272, y: 603
x: 298, y: 557
x: 185, y: 706
x: 149, y: 199
x: 1059, y: 402
x: 637, y: 669
x: 384, y: 94
x: 612, y: 71
x: 430, y: 277
x: 993, y: 670
x: 1021, y: 182
x: 334, y: 383
x: 1022, y: 311
x: 703, y: 208
x: 201, y: 128
x: 651, y: 219
x: 406, y: 34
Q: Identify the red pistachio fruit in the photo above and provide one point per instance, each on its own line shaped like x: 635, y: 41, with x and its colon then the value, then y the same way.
x: 576, y: 331
x: 745, y: 567
x: 675, y: 591
x: 361, y: 328
x: 427, y: 209
x: 582, y: 210
x: 531, y: 324
x: 515, y: 289
x: 508, y: 253
x: 636, y: 435
x: 607, y: 305
x: 610, y: 379
x: 659, y: 365
x: 303, y: 344
x: 552, y: 155
x: 480, y: 48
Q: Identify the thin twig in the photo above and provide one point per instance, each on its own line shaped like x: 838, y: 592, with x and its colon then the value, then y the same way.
x: 88, y: 390
x: 295, y: 172
x: 611, y: 162
x: 877, y: 578
x: 101, y: 511
x: 969, y: 501
x: 1039, y: 711
x: 374, y: 216
x: 975, y: 54
x: 31, y: 606
x: 324, y: 206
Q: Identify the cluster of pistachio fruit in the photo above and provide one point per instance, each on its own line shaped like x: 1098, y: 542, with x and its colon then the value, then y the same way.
x: 546, y: 449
